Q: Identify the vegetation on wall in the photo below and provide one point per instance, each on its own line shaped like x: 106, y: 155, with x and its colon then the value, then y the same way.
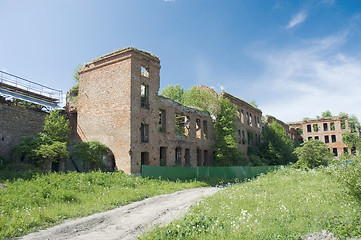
x: 173, y: 92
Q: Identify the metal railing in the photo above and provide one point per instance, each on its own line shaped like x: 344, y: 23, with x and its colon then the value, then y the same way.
x: 10, y: 80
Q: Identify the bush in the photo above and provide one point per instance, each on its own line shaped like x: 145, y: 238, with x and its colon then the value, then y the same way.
x: 92, y: 152
x: 311, y: 154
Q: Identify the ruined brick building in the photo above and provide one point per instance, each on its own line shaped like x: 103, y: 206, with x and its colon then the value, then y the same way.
x: 118, y: 105
x: 327, y: 130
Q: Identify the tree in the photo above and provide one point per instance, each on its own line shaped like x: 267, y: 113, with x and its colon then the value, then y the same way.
x: 205, y: 101
x: 56, y: 127
x: 227, y: 153
x: 253, y: 103
x: 326, y: 114
x: 276, y: 146
x: 350, y: 139
x: 91, y: 152
x: 54, y: 152
x: 173, y: 92
x: 311, y: 154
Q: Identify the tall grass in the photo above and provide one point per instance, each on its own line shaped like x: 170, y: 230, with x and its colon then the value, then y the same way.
x: 35, y: 201
x: 286, y: 204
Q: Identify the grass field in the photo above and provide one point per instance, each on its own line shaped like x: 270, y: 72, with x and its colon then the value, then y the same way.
x: 281, y: 205
x: 31, y: 202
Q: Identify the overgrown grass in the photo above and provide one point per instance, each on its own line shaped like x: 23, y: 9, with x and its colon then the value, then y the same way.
x: 286, y: 204
x: 35, y: 201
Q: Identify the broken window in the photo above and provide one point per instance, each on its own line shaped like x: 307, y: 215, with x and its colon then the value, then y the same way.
x: 353, y: 150
x: 258, y: 123
x: 206, y: 160
x: 309, y: 128
x: 315, y: 127
x: 187, y: 157
x: 327, y: 139
x: 181, y: 125
x: 144, y: 131
x: 239, y: 136
x: 309, y: 138
x: 242, y: 116
x: 334, y: 150
x: 198, y: 129
x: 343, y: 124
x: 299, y: 131
x: 332, y: 126
x: 205, y: 129
x: 162, y: 120
x: 144, y: 71
x: 163, y: 156
x: 250, y: 120
x: 325, y: 127
x: 144, y: 158
x: 333, y: 138
x: 244, y: 140
x: 199, y: 157
x: 316, y: 138
x: 345, y: 150
x: 144, y: 96
x: 178, y: 156
x: 250, y: 138
x: 247, y: 118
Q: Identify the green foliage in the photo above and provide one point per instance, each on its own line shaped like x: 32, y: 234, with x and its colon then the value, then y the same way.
x: 27, y: 105
x: 203, y: 100
x: 35, y: 201
x: 227, y: 153
x: 350, y: 139
x: 173, y: 92
x: 276, y: 146
x: 326, y: 114
x: 28, y: 145
x: 92, y: 152
x: 286, y: 204
x: 253, y: 103
x: 55, y: 151
x: 76, y: 73
x: 312, y: 153
x: 56, y: 126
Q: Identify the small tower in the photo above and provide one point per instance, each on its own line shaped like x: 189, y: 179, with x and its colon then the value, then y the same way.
x: 117, y: 105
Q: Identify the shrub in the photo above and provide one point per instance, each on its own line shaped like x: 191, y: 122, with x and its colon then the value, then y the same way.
x: 311, y: 154
x: 92, y: 152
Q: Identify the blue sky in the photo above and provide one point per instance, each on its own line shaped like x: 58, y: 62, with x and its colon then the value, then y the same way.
x: 294, y: 58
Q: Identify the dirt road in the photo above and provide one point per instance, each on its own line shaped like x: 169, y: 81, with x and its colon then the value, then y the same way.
x: 126, y: 222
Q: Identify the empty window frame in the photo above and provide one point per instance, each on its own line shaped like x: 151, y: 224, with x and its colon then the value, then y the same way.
x: 144, y: 96
x: 332, y: 126
x: 239, y: 136
x: 309, y: 128
x: 144, y: 71
x: 315, y: 127
x: 187, y: 157
x: 205, y: 129
x: 242, y: 116
x: 325, y: 127
x: 163, y: 156
x: 334, y: 150
x: 333, y: 138
x: 309, y: 138
x: 343, y: 124
x: 181, y: 125
x: 317, y: 138
x: 178, y: 156
x: 162, y: 121
x: 198, y: 128
x: 327, y: 139
x: 199, y: 157
x: 144, y: 133
x: 144, y: 158
x: 250, y: 120
x: 345, y: 150
x: 206, y: 158
x: 258, y: 123
x: 247, y: 118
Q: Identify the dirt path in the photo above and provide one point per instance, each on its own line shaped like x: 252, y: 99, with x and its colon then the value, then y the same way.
x: 126, y: 222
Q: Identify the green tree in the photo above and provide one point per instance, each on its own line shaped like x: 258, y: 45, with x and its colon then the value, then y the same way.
x: 311, y: 154
x: 226, y: 144
x: 91, y: 152
x: 173, y: 92
x: 350, y: 139
x: 205, y: 101
x: 56, y: 126
x: 253, y: 103
x: 276, y: 146
x: 54, y: 152
x: 326, y: 114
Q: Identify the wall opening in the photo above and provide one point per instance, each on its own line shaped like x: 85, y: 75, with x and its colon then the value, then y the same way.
x: 332, y: 126
x: 206, y: 158
x: 162, y: 120
x: 178, y: 156
x: 144, y: 96
x: 205, y: 129
x: 315, y: 127
x: 163, y: 156
x: 187, y: 157
x: 242, y: 116
x: 343, y: 124
x: 198, y: 128
x: 199, y: 157
x: 333, y: 138
x: 309, y: 138
x: 325, y: 127
x: 327, y: 139
x: 144, y: 71
x: 182, y: 125
x: 309, y: 128
x: 144, y: 158
x: 345, y: 150
x: 334, y: 150
x: 144, y: 133
x: 317, y: 138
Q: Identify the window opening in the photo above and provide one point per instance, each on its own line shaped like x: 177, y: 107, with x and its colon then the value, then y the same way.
x: 333, y: 137
x: 198, y: 129
x: 250, y: 120
x: 316, y: 138
x: 206, y: 160
x: 162, y: 120
x: 242, y: 116
x: 327, y: 139
x: 178, y: 156
x: 187, y: 157
x: 181, y: 125
x: 353, y: 150
x: 144, y: 96
x: 332, y: 126
x: 163, y: 156
x: 144, y: 130
x: 315, y: 127
x: 309, y: 128
x: 199, y: 157
x: 325, y: 127
x: 334, y: 152
x: 345, y: 150
x: 343, y: 124
x: 205, y: 129
x: 247, y: 116
x: 309, y: 138
x: 144, y: 71
x: 144, y: 158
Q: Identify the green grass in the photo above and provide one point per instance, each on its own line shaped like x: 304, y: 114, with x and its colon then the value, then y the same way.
x: 286, y: 204
x: 35, y: 201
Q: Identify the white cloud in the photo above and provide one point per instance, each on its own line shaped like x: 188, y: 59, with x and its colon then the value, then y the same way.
x: 168, y: 0
x: 306, y: 81
x: 297, y: 19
